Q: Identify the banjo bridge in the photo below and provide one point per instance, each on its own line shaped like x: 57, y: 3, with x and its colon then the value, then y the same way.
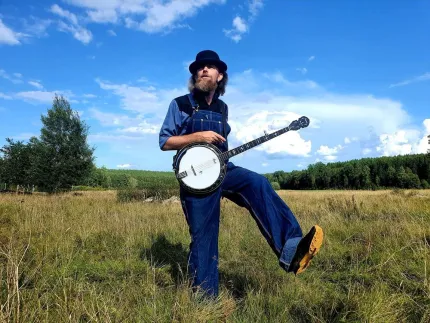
x: 192, y: 168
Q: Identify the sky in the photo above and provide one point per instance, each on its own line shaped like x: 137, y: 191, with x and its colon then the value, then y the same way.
x: 359, y: 70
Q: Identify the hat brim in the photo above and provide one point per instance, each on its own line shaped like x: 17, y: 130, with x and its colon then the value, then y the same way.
x: 222, y: 67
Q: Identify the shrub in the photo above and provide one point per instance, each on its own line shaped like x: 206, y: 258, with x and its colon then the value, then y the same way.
x: 275, y: 185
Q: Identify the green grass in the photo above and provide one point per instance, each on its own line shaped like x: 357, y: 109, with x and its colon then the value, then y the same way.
x: 91, y: 258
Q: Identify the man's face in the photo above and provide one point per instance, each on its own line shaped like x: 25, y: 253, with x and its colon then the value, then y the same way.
x: 207, y: 78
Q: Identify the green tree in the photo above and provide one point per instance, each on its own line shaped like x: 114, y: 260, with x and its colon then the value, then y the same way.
x: 1, y: 173
x: 62, y: 156
x: 275, y: 185
x: 16, y: 163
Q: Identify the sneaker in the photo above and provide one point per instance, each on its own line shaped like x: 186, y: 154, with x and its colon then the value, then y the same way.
x: 307, y: 248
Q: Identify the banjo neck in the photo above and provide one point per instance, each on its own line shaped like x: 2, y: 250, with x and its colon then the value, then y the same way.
x: 242, y: 148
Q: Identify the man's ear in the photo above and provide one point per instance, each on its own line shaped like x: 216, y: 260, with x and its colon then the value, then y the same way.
x: 220, y: 77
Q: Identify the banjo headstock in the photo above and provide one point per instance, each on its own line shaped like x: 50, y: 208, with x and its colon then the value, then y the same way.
x: 302, y: 122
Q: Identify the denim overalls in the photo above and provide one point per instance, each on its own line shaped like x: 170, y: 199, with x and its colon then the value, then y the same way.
x: 245, y: 188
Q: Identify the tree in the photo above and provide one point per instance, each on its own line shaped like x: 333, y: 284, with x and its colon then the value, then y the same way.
x: 63, y: 157
x: 16, y: 163
x: 2, y: 179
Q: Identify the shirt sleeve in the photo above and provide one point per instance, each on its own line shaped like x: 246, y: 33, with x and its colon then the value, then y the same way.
x: 171, y: 125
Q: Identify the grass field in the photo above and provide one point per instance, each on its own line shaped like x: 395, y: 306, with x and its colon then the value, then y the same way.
x: 89, y: 258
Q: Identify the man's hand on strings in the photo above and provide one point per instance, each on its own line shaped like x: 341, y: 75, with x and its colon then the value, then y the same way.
x: 210, y: 137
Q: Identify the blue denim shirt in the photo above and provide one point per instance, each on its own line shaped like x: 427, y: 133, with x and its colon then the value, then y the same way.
x: 175, y: 123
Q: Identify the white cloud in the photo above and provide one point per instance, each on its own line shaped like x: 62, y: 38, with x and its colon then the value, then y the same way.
x: 124, y: 123
x: 25, y: 136
x: 239, y: 28
x: 36, y: 84
x: 241, y: 25
x: 290, y: 143
x: 39, y: 96
x: 8, y: 36
x: 349, y: 140
x: 64, y: 13
x: 186, y: 65
x: 111, y: 32
x: 90, y: 96
x: 330, y: 157
x: 279, y: 78
x: 124, y: 166
x: 325, y: 150
x: 148, y: 16
x: 366, y: 151
x: 133, y: 98
x: 36, y: 26
x: 83, y: 35
x: 109, y: 119
x: 114, y: 138
x: 405, y: 141
x: 143, y: 128
x: 426, y: 124
x: 103, y: 16
x: 421, y: 78
x: 302, y: 70
x: 6, y: 76
x: 254, y: 7
x: 328, y: 153
x: 42, y: 96
x: 19, y: 75
x: 311, y: 58
x: 74, y: 27
x: 5, y: 96
x: 264, y: 164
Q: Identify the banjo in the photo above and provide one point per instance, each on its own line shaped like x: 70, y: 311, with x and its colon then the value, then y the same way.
x: 201, y: 167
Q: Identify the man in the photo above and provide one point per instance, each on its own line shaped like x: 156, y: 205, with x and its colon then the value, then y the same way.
x: 201, y: 116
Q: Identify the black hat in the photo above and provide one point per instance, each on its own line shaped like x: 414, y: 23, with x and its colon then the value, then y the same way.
x: 207, y: 57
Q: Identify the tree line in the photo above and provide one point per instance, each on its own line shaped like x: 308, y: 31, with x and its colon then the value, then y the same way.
x: 406, y: 171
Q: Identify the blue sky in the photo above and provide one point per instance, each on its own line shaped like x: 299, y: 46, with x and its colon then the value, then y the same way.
x: 360, y: 70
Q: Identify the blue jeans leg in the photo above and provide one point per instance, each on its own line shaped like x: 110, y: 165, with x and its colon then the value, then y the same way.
x: 203, y: 214
x: 274, y: 218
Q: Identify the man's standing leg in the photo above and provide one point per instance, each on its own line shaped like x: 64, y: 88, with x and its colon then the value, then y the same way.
x: 276, y: 221
x: 203, y: 215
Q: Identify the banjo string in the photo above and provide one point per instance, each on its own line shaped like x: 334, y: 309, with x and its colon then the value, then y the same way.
x: 202, y: 166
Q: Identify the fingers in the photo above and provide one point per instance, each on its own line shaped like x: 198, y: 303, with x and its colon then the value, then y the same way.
x: 219, y: 137
x: 213, y: 137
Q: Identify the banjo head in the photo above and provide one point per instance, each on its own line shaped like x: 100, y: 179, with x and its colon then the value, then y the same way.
x: 203, y: 167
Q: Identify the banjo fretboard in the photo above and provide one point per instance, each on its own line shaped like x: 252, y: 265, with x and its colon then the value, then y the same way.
x: 249, y: 145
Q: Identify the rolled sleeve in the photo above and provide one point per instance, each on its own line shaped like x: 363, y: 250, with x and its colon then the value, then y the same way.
x: 171, y: 125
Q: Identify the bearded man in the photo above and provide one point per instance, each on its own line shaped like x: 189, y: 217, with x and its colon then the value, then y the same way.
x: 201, y: 116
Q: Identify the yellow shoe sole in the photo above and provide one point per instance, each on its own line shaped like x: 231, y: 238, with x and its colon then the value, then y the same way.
x: 314, y: 247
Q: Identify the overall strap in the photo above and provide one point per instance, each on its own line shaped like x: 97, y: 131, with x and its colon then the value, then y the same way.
x: 224, y: 120
x: 194, y: 105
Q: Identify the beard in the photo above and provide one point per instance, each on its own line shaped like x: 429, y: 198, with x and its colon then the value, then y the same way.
x: 206, y: 85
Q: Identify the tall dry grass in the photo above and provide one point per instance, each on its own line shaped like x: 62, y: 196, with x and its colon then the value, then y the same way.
x: 89, y: 258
